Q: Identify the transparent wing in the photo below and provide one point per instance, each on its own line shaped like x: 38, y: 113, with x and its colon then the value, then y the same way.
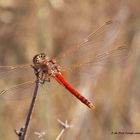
x: 16, y: 71
x: 117, y: 55
x: 12, y: 80
x: 95, y: 50
x: 94, y: 42
x: 19, y: 91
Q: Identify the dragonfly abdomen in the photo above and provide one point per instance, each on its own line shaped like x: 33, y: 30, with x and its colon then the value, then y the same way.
x: 62, y: 80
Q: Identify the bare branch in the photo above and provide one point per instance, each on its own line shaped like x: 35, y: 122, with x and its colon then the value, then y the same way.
x: 65, y: 126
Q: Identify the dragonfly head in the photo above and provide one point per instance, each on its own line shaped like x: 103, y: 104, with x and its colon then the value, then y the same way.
x: 39, y: 58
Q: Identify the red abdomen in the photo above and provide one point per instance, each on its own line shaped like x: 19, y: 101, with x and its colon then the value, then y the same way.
x: 62, y: 80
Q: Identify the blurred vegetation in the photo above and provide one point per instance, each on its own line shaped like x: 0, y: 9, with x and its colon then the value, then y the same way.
x: 53, y: 26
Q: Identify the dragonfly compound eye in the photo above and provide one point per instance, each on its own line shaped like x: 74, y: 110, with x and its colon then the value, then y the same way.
x: 37, y: 61
x: 39, y: 58
x: 43, y: 55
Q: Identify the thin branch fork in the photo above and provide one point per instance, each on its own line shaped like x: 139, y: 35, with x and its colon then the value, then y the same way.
x: 65, y: 126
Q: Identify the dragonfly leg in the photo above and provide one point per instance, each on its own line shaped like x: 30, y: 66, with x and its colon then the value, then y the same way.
x: 53, y: 61
x: 36, y: 71
x: 57, y: 67
x: 44, y: 78
x: 20, y: 132
x: 42, y: 75
x: 48, y: 79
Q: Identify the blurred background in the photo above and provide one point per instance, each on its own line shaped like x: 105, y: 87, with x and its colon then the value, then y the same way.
x: 55, y: 26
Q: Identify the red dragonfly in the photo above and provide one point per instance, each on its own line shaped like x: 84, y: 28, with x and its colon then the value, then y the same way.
x: 46, y: 68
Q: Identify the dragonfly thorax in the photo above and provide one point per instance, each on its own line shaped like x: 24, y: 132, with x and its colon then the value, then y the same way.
x: 44, y: 67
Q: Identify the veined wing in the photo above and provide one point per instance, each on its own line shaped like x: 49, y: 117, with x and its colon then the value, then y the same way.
x: 117, y: 55
x: 99, y: 39
x: 17, y: 92
x: 16, y: 71
x: 12, y: 79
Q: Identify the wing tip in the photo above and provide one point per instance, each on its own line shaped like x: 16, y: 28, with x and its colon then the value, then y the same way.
x: 2, y: 92
x: 109, y: 22
x: 112, y: 22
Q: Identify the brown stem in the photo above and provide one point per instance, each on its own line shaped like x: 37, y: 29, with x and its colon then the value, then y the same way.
x: 25, y: 129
